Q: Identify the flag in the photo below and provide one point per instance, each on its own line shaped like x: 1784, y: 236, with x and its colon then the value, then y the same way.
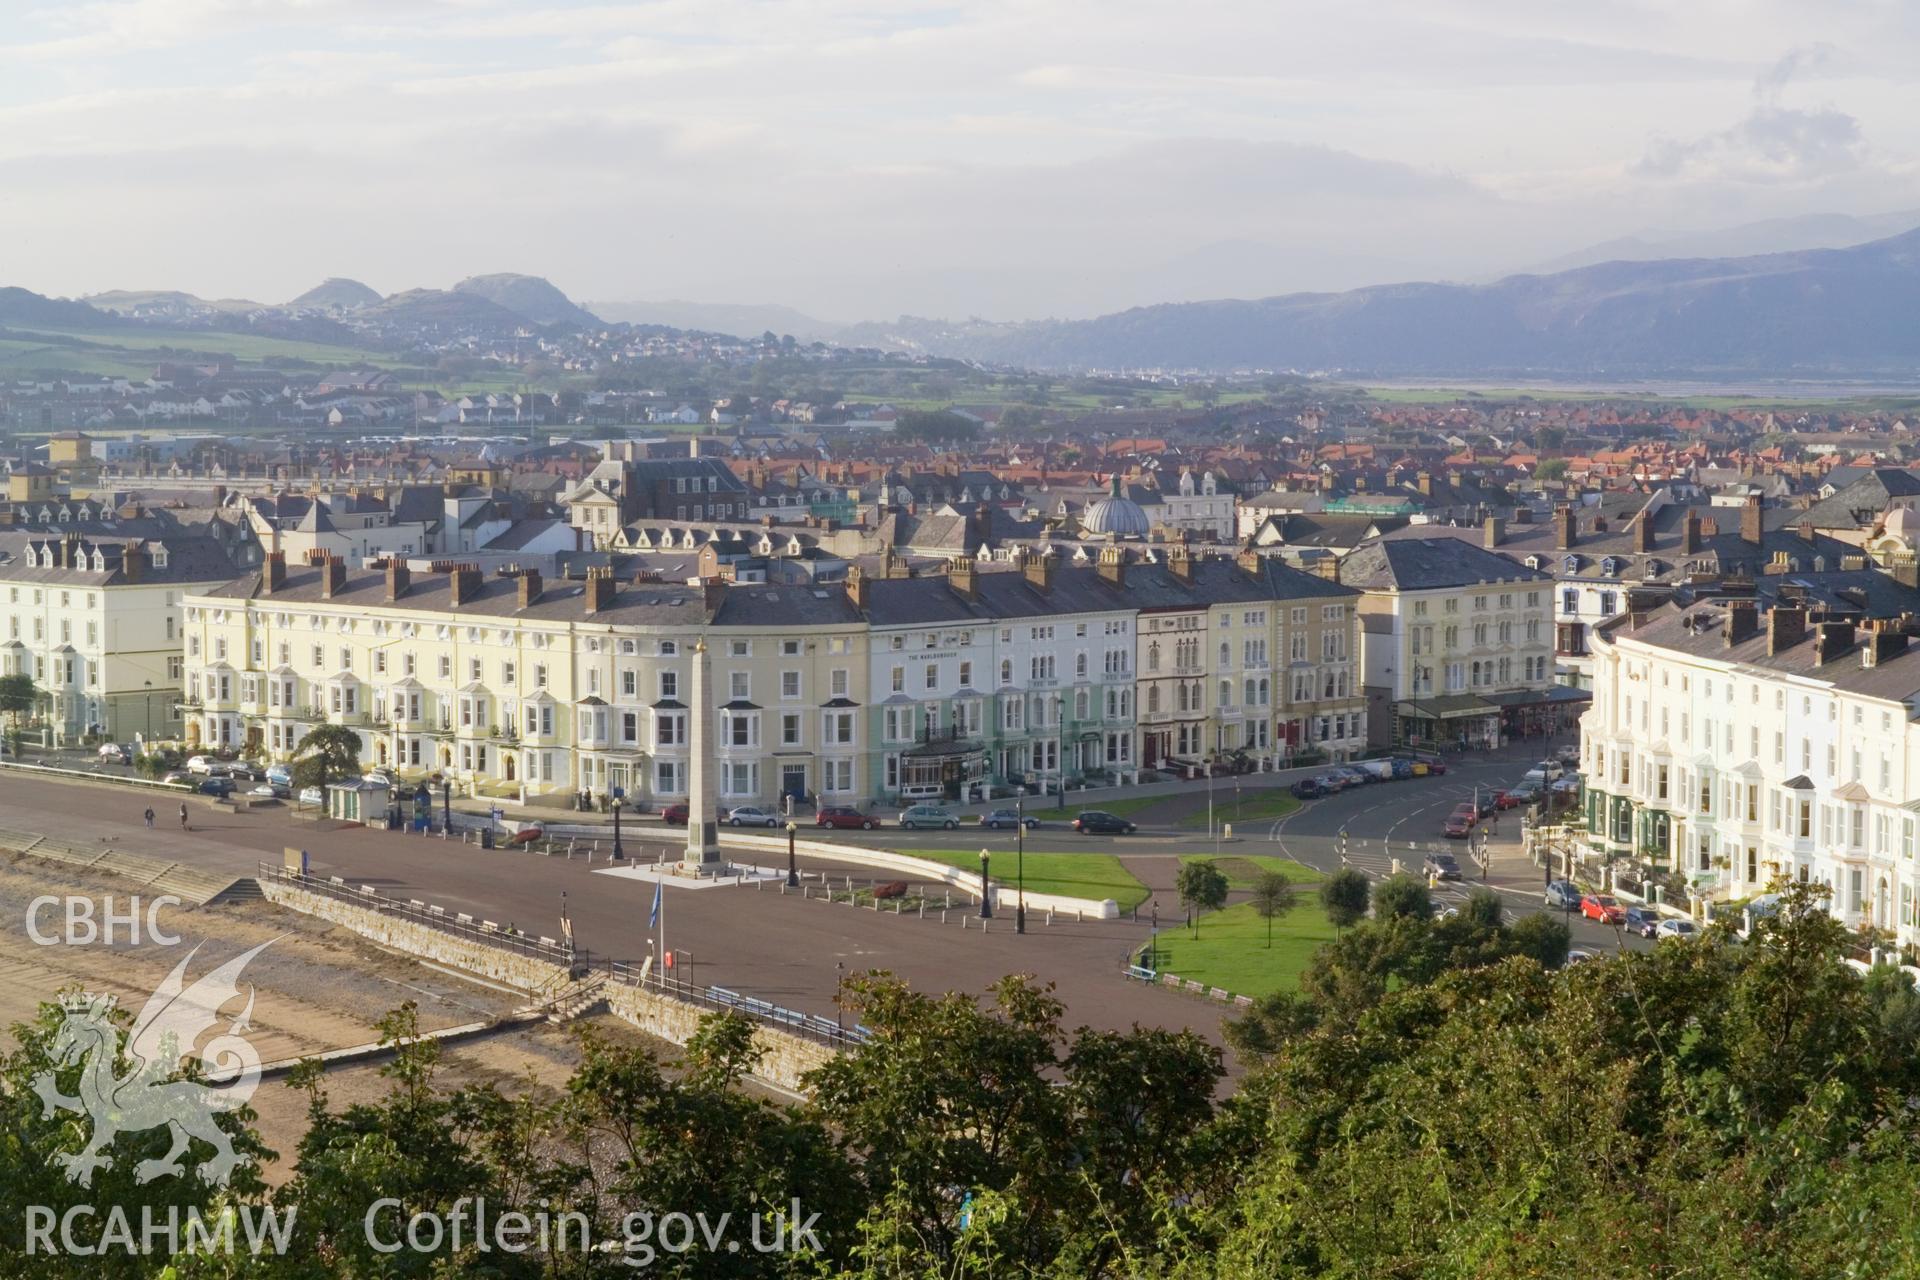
x: 653, y: 917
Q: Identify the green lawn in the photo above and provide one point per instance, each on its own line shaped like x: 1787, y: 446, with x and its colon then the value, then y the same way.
x: 1231, y: 949
x: 1242, y: 868
x: 1073, y: 875
x: 1264, y: 805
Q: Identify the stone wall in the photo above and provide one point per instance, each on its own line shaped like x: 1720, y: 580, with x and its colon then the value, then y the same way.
x: 785, y: 1057
x: 496, y: 964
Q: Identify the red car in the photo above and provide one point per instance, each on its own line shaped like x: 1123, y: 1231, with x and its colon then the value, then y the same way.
x: 1602, y: 907
x: 674, y: 815
x: 1459, y: 824
x: 1501, y: 800
x: 840, y: 816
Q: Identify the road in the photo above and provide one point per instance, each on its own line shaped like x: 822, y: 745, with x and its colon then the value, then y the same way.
x: 756, y: 941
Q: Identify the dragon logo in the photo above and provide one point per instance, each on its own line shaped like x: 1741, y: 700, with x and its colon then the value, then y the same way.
x: 146, y: 1097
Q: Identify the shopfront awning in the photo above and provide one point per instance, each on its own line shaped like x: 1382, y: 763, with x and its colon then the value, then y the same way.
x: 1552, y: 696
x: 1453, y: 706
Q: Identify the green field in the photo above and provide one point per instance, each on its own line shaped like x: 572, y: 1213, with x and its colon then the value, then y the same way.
x: 1073, y: 875
x: 1231, y: 949
x: 1264, y: 805
x: 1241, y: 869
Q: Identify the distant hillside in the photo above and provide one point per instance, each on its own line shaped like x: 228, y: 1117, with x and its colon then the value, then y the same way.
x: 444, y: 311
x: 165, y: 304
x: 337, y: 293
x: 528, y: 296
x: 24, y: 307
x: 1819, y: 311
x: 742, y: 320
x: 1773, y: 235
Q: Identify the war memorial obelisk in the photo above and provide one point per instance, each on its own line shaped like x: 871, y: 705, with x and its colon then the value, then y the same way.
x: 702, y: 856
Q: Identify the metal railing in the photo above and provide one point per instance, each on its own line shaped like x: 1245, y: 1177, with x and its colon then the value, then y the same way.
x: 98, y: 774
x: 502, y: 937
x: 811, y: 1026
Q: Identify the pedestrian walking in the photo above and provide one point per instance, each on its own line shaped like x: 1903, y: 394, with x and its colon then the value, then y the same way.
x: 183, y: 817
x: 149, y: 817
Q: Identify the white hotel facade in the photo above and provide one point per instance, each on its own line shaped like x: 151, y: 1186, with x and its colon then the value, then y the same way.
x: 1735, y: 750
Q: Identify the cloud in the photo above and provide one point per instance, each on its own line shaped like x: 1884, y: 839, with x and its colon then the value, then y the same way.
x: 1773, y: 142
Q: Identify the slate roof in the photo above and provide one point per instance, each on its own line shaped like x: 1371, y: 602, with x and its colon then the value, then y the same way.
x: 1859, y: 505
x: 190, y: 558
x: 1424, y: 564
x: 1896, y: 677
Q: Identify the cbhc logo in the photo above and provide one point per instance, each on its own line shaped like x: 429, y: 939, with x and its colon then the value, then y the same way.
x: 83, y: 926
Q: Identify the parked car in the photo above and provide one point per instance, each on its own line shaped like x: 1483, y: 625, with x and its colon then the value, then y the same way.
x: 267, y: 791
x: 999, y: 818
x: 202, y: 765
x: 1676, y: 929
x: 1484, y: 804
x: 1523, y: 793
x: 1355, y: 777
x: 279, y: 774
x: 1534, y: 778
x: 1562, y: 896
x: 1550, y: 769
x: 1099, y: 822
x: 1603, y: 907
x: 1378, y: 770
x: 177, y: 776
x: 1436, y: 765
x: 116, y: 753
x: 674, y: 815
x: 1568, y: 756
x: 1333, y: 783
x: 928, y: 815
x: 1566, y: 785
x: 1307, y: 789
x: 840, y: 817
x: 1579, y: 955
x: 1459, y: 823
x: 1641, y: 920
x: 221, y: 787
x: 312, y: 796
x: 380, y: 773
x: 1443, y: 865
x: 748, y: 815
x: 1502, y: 801
x: 1402, y: 767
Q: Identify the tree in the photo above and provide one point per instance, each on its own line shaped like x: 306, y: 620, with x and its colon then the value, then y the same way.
x: 17, y: 694
x: 1551, y: 469
x: 1402, y: 895
x: 1346, y: 896
x: 328, y: 753
x: 1273, y: 896
x: 1202, y: 886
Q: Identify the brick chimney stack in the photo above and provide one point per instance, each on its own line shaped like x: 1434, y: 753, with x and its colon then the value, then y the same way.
x: 463, y: 584
x: 1743, y: 621
x: 961, y: 577
x: 1643, y: 532
x: 1830, y: 640
x: 1494, y: 532
x: 275, y: 571
x: 1786, y: 627
x: 1112, y: 566
x: 333, y: 577
x: 1566, y: 527
x: 1039, y: 571
x: 1690, y: 534
x: 859, y: 589
x: 1751, y: 528
x: 529, y: 588
x: 599, y: 593
x: 399, y: 578
x: 133, y: 562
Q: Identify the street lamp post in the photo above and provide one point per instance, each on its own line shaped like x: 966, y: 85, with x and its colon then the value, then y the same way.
x: 446, y: 806
x: 986, y: 890
x: 1020, y: 862
x: 149, y: 715
x: 793, y: 870
x: 619, y: 798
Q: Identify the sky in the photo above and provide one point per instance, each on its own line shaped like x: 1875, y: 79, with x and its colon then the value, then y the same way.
x: 862, y: 159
